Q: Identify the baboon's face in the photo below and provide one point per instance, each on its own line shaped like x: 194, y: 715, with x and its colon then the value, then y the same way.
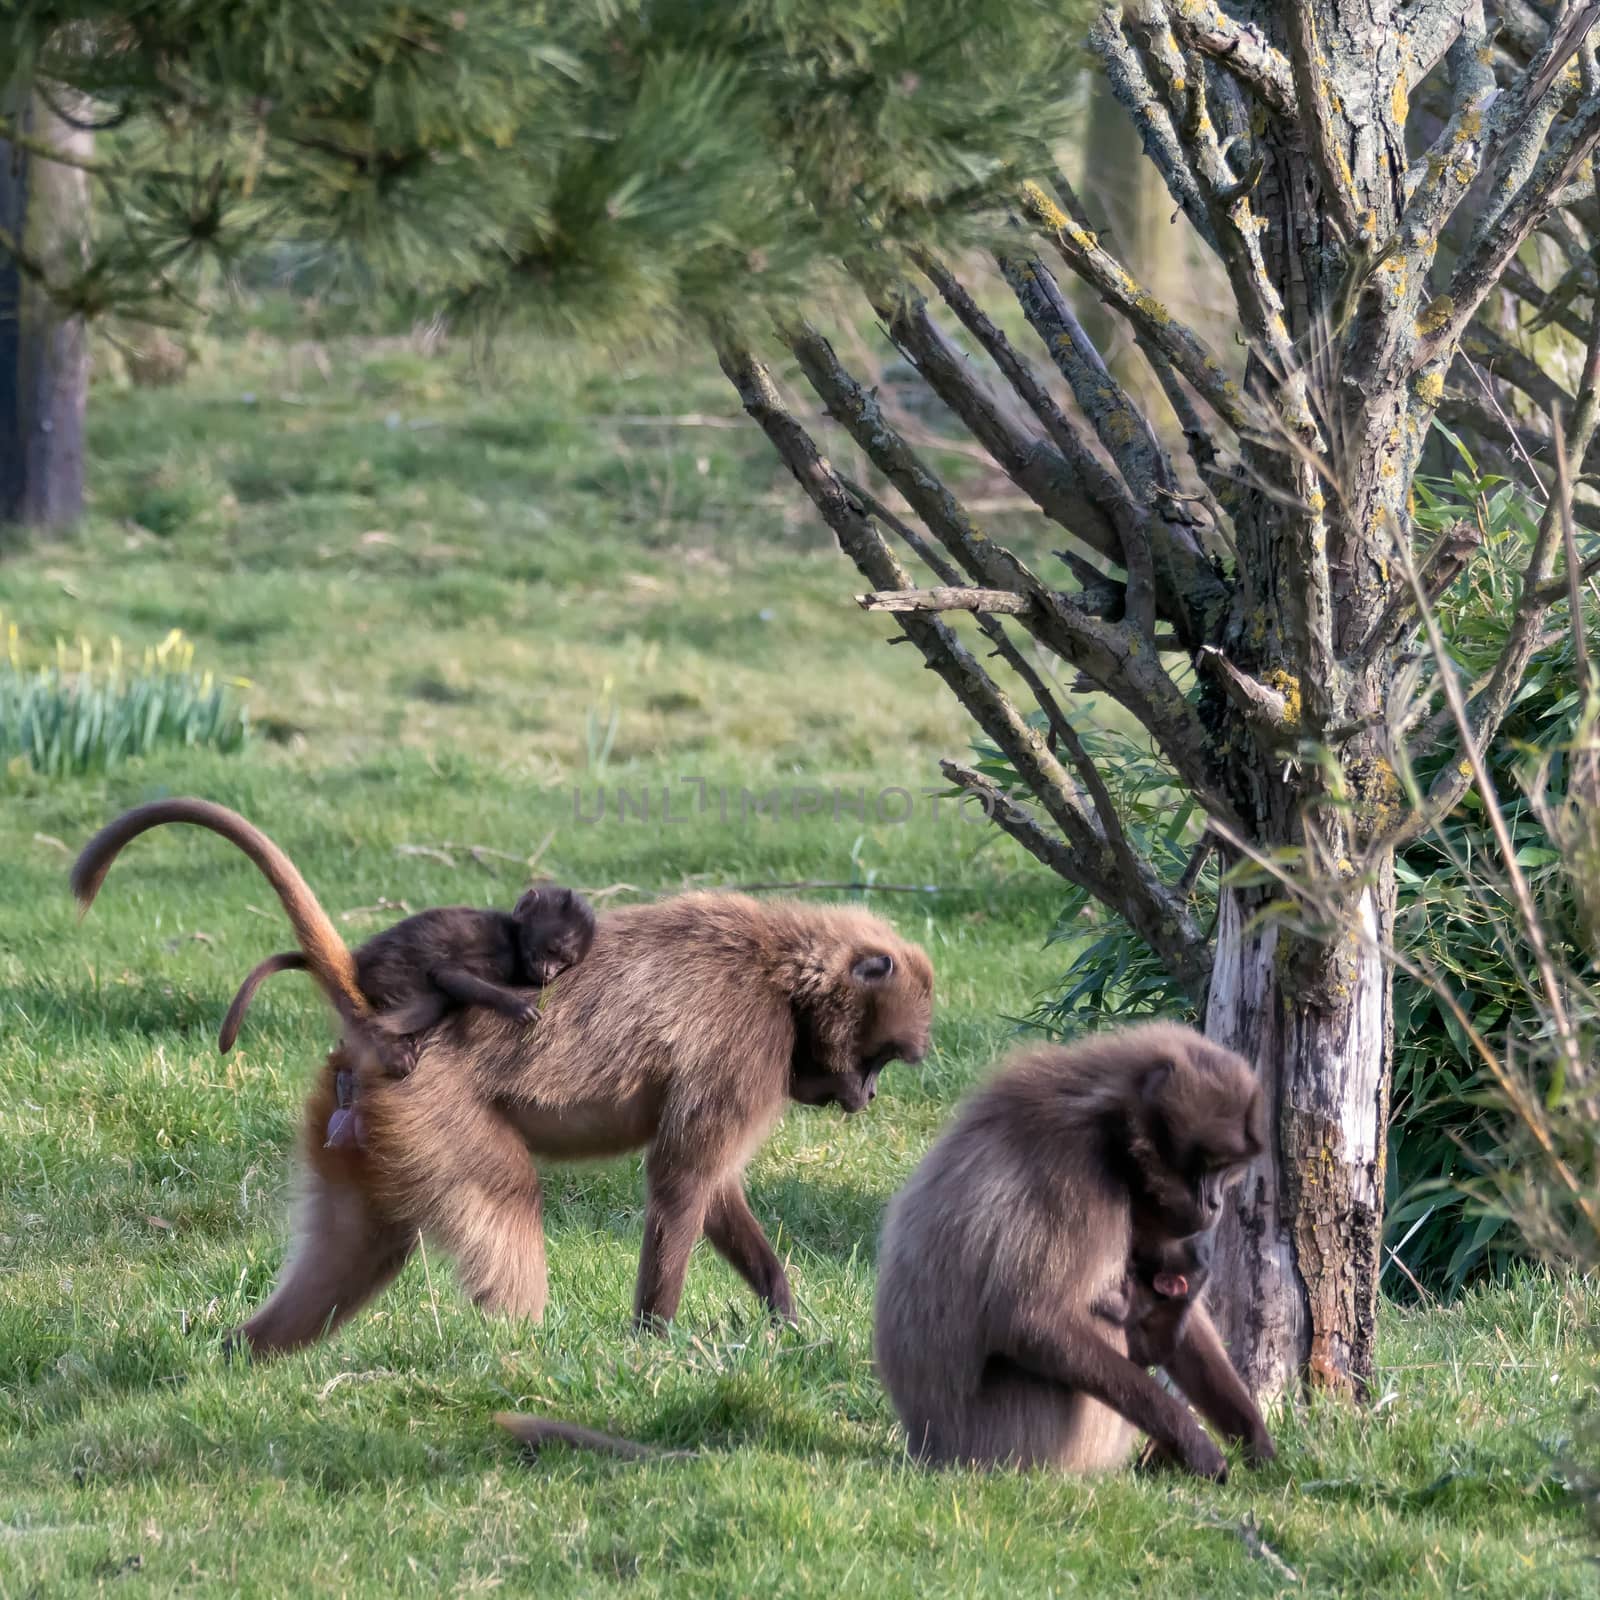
x: 890, y: 1005
x: 556, y: 928
x: 1200, y: 1122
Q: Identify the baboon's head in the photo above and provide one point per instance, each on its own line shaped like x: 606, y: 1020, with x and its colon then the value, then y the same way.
x: 555, y: 928
x: 878, y: 1008
x: 1195, y: 1120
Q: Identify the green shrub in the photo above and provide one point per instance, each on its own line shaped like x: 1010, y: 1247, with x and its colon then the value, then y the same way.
x: 69, y: 718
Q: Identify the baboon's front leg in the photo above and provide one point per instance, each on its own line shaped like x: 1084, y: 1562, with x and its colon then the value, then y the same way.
x: 678, y: 1199
x: 736, y: 1236
x: 1201, y: 1369
x: 467, y: 989
x: 1074, y: 1356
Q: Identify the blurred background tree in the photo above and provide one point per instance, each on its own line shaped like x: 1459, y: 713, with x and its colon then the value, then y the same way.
x: 604, y: 167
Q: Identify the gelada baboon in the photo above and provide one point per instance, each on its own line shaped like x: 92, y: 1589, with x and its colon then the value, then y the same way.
x: 427, y: 964
x: 1023, y: 1218
x: 686, y: 1030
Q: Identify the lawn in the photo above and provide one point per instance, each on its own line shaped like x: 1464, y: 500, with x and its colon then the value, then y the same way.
x: 469, y: 601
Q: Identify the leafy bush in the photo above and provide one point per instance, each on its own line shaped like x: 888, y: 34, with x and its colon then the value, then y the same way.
x: 1452, y: 916
x: 68, y: 718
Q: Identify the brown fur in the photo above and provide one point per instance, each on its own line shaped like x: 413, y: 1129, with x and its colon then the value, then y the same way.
x: 1022, y: 1220
x: 535, y: 1433
x: 1165, y: 1278
x: 686, y: 1030
x: 414, y: 972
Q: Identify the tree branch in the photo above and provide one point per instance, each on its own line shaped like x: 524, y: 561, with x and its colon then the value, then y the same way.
x: 1118, y: 288
x: 1333, y: 167
x: 1116, y: 656
x: 1241, y: 48
x: 1444, y: 562
x: 1526, y: 635
x: 1175, y: 937
x: 1445, y: 320
x: 1128, y: 82
x: 999, y: 601
x: 1266, y: 710
x: 1075, y: 490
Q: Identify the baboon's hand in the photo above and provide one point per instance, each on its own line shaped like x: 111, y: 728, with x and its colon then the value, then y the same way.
x: 1200, y: 1455
x: 1259, y: 1449
x: 527, y: 1011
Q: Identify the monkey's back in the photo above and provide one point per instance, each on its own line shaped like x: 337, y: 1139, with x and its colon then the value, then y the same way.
x: 694, y: 990
x: 1004, y: 1224
x: 392, y: 966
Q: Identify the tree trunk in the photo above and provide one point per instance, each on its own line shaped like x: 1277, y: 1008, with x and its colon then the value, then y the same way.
x: 1304, y: 1235
x: 44, y: 356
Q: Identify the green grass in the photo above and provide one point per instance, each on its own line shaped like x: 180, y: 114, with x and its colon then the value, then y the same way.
x: 457, y: 602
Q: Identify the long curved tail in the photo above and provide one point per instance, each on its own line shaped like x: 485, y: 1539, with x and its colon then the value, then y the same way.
x: 536, y: 1432
x: 327, y: 955
x: 284, y: 961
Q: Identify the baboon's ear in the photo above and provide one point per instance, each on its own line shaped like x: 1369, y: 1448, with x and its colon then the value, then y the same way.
x: 872, y: 969
x: 530, y: 899
x: 1153, y: 1080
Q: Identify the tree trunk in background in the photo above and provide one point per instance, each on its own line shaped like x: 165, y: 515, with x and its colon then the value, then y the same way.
x: 44, y: 357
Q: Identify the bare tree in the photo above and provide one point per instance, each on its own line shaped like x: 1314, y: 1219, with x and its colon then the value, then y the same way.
x: 1238, y: 596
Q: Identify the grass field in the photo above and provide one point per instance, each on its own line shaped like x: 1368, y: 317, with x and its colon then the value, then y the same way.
x: 458, y: 598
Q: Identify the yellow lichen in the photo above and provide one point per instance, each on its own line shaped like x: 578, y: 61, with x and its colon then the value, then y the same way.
x: 1289, y: 687
x: 1400, y: 100
x: 1041, y: 207
x: 1435, y: 315
x: 1430, y: 388
x: 1153, y: 309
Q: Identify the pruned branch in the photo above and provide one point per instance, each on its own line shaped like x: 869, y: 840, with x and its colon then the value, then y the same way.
x: 999, y: 601
x: 1265, y: 709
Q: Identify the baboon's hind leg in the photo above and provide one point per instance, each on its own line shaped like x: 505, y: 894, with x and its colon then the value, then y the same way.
x: 477, y: 1193
x: 342, y: 1256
